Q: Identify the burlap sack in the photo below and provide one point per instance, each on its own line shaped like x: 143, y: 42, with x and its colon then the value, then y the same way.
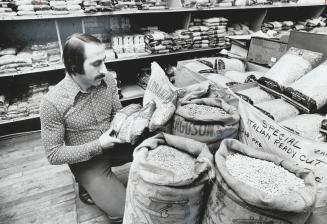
x: 232, y: 201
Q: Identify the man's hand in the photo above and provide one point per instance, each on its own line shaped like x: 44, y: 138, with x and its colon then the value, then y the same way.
x: 108, y: 142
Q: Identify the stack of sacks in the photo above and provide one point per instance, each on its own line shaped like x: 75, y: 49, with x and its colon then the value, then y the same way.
x: 217, y: 31
x: 224, y: 3
x: 312, y: 23
x: 45, y: 54
x: 10, y: 62
x: 3, y: 108
x: 181, y: 41
x: 42, y: 7
x: 25, y: 7
x: 18, y: 109
x: 275, y: 26
x: 260, y: 2
x: 199, y: 36
x: 59, y: 7
x: 182, y: 38
x: 158, y: 42
x: 287, y: 25
x: 36, y: 93
x: 150, y: 4
x: 238, y: 29
x: 105, y: 6
x: 74, y: 6
x: 90, y: 6
x: 6, y: 8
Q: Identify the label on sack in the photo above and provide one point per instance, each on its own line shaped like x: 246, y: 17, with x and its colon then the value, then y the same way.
x: 264, y: 134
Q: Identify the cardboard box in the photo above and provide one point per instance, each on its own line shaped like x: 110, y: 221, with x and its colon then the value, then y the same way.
x: 265, y: 51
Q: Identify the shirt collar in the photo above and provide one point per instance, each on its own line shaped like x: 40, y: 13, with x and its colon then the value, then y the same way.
x: 73, y: 88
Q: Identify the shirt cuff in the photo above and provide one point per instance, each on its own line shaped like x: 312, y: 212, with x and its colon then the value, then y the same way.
x: 96, y: 148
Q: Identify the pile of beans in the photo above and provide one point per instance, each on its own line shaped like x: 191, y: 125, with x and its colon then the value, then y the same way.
x: 202, y: 110
x: 169, y: 158
x: 263, y: 175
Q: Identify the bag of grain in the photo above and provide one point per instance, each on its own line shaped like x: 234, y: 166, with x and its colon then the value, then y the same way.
x: 255, y: 95
x: 306, y: 125
x: 208, y: 120
x: 289, y: 68
x: 168, y: 179
x: 163, y: 93
x: 308, y: 89
x: 277, y: 109
x: 121, y: 116
x: 136, y: 124
x: 256, y: 187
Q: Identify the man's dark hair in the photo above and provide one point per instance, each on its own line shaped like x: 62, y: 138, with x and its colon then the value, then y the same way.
x: 74, y: 52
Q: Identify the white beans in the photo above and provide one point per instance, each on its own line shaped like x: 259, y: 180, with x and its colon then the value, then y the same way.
x: 202, y: 110
x: 263, y: 175
x: 173, y: 160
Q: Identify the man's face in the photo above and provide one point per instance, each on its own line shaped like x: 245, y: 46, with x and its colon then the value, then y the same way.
x: 94, y: 67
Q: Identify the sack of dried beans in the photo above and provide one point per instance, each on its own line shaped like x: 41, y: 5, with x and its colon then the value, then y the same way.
x: 208, y: 120
x: 294, y: 64
x: 136, y: 124
x: 168, y: 179
x: 121, y: 116
x: 308, y: 90
x: 277, y: 109
x: 256, y: 187
x: 255, y: 95
x: 306, y: 125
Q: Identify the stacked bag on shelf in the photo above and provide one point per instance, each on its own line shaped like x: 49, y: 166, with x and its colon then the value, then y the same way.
x: 216, y: 31
x: 45, y: 54
x: 158, y: 42
x: 35, y: 95
x: 6, y: 8
x: 11, y: 62
x: 3, y: 107
x: 199, y: 36
x: 182, y: 39
x: 239, y: 29
x: 25, y: 7
x: 90, y: 6
x: 59, y: 7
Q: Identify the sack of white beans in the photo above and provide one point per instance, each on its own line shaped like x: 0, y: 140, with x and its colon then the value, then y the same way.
x: 168, y: 180
x: 308, y: 90
x: 208, y: 120
x: 256, y: 187
x: 294, y: 64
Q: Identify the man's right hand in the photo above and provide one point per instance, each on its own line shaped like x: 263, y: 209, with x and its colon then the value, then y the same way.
x: 108, y: 142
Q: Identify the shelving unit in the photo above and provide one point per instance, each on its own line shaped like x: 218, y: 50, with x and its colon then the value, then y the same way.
x: 61, y: 26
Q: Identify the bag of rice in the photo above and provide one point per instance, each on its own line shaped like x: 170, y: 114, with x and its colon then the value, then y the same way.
x: 294, y: 64
x: 257, y: 187
x: 255, y: 95
x: 277, y: 109
x: 168, y: 180
x: 135, y: 125
x: 163, y: 113
x: 306, y: 125
x: 308, y: 90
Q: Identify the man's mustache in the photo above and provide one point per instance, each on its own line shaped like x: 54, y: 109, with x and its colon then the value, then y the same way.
x: 100, y: 76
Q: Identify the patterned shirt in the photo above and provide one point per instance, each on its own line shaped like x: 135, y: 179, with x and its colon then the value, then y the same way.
x: 73, y: 120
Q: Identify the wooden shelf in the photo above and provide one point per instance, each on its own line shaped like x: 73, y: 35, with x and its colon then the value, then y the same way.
x: 61, y: 66
x: 19, y: 119
x: 155, y: 11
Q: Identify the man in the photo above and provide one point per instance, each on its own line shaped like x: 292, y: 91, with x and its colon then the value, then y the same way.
x: 75, y: 118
